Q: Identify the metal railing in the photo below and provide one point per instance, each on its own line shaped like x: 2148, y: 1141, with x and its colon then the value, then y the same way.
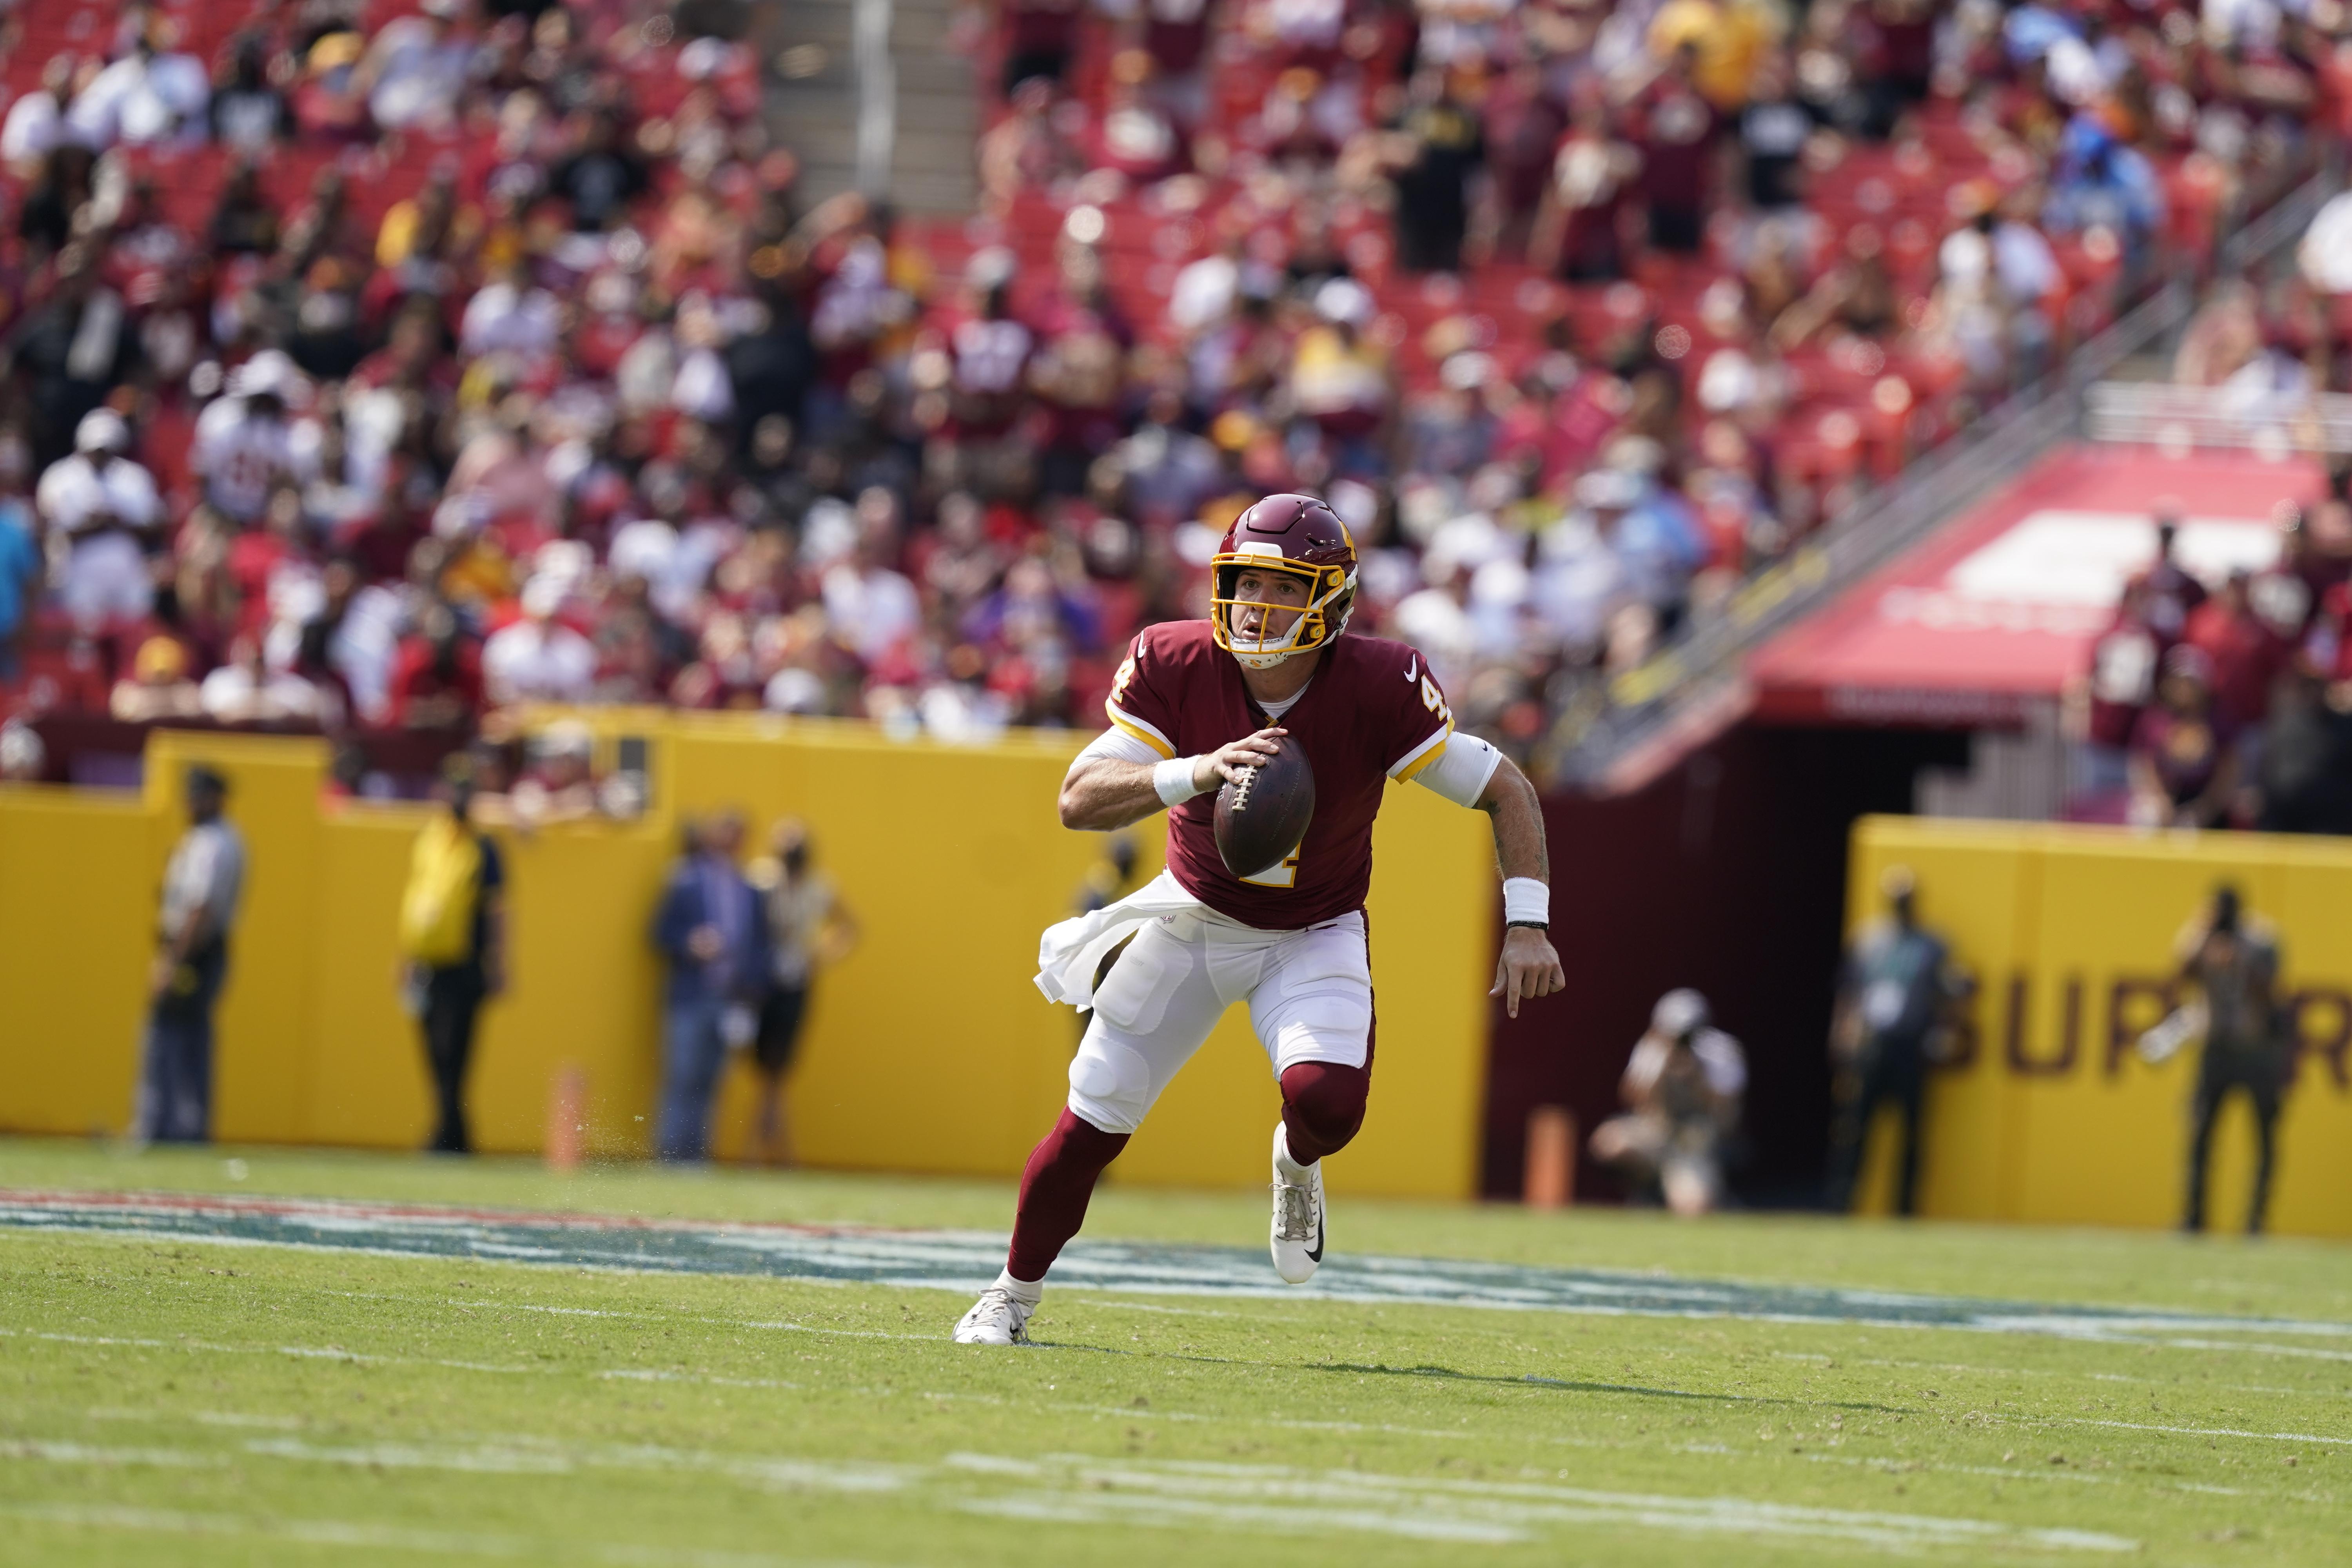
x: 2153, y: 414
x: 1697, y: 685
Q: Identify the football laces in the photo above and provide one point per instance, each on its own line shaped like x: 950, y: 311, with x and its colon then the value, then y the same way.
x: 1242, y: 788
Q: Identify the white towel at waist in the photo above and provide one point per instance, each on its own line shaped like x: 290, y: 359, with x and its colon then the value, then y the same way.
x: 1070, y: 952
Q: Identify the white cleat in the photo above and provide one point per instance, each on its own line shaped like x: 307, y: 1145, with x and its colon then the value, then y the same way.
x: 996, y: 1318
x: 1296, y: 1241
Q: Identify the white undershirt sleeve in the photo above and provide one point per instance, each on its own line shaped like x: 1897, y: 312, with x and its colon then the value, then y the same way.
x: 1461, y: 770
x: 1120, y: 747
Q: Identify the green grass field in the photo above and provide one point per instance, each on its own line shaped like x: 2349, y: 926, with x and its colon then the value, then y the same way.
x: 169, y: 1400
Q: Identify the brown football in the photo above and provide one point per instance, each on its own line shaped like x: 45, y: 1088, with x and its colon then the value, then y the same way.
x: 1261, y: 818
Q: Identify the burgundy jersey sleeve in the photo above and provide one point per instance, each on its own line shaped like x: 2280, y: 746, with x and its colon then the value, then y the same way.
x: 1144, y: 695
x: 1409, y: 715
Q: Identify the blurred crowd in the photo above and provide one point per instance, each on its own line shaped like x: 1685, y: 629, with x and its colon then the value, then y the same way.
x: 376, y: 366
x: 2226, y: 701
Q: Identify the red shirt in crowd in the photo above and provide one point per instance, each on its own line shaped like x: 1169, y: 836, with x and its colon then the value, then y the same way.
x: 2247, y: 656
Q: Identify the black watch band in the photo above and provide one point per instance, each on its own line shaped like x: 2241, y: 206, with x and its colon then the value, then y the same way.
x: 1531, y: 925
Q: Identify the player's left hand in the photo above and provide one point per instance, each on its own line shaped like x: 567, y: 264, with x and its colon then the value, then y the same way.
x: 1529, y: 967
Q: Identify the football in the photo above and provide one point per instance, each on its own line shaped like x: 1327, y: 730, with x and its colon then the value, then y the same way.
x: 1262, y: 817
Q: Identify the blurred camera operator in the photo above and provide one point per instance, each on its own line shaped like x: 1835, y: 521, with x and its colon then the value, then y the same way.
x: 1682, y: 1088
x: 2230, y: 961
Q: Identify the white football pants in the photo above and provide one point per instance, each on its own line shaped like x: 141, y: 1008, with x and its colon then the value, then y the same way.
x: 1309, y: 994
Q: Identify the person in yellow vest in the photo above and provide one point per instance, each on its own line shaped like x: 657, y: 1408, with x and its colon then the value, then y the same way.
x: 452, y: 943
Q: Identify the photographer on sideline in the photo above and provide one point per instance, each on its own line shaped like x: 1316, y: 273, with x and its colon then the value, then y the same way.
x: 2231, y: 959
x: 1682, y: 1088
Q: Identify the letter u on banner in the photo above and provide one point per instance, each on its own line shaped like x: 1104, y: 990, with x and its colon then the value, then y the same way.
x: 2070, y: 1032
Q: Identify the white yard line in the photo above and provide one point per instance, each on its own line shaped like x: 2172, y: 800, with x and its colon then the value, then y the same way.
x: 367, y: 1535
x: 1065, y: 1489
x: 2192, y: 1431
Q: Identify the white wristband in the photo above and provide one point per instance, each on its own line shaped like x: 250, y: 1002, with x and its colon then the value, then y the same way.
x: 1173, y: 779
x: 1524, y: 898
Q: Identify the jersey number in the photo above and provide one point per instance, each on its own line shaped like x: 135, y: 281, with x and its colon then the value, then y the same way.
x: 1282, y: 875
x: 1434, y: 701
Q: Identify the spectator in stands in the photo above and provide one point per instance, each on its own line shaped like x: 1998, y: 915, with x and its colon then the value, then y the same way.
x: 436, y: 679
x: 244, y: 222
x: 1673, y: 127
x: 452, y: 943
x: 558, y: 783
x: 743, y: 367
x: 148, y: 95
x: 2100, y: 183
x: 2105, y: 708
x: 74, y: 348
x: 537, y: 658
x: 2246, y: 655
x: 20, y: 582
x: 712, y: 928
x: 23, y: 759
x: 201, y: 884
x: 416, y: 67
x: 2182, y: 765
x: 2170, y: 591
x: 158, y: 686
x: 249, y: 114
x: 246, y: 691
x: 600, y: 178
x: 106, y: 507
x: 1580, y: 225
x: 2303, y: 773
x: 1896, y: 1005
x: 36, y: 126
x: 811, y: 929
x: 1683, y: 1089
x: 2325, y: 254
x: 1432, y: 155
x: 248, y: 443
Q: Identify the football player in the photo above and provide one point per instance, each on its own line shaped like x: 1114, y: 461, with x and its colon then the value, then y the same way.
x: 1196, y: 703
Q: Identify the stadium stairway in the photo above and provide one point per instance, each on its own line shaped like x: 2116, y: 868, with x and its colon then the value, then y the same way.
x: 813, y: 107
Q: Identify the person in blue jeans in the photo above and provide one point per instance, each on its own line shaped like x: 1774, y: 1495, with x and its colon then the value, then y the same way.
x: 713, y: 929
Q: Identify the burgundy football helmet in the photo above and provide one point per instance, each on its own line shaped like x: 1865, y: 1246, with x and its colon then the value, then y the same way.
x: 1300, y: 537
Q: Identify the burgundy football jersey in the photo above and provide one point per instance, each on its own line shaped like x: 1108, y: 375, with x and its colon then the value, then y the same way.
x: 1372, y: 713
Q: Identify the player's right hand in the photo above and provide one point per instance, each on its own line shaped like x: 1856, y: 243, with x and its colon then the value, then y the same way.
x: 1225, y: 764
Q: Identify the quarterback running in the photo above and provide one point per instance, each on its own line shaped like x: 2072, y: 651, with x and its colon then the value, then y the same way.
x: 1198, y: 704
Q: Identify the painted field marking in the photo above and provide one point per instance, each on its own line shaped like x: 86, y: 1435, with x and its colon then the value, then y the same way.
x: 370, y: 1535
x: 1077, y: 1489
x: 2192, y: 1431
x: 1081, y: 1489
x: 963, y: 1261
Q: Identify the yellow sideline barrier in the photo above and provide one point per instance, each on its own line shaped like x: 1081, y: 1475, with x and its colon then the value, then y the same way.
x: 2052, y: 1115
x: 927, y: 1049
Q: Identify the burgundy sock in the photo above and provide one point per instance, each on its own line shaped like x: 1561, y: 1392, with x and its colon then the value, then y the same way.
x: 1054, y: 1187
x: 1322, y: 1106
